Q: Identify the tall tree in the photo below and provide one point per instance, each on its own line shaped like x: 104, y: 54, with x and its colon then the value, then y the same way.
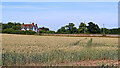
x: 82, y: 28
x: 70, y: 27
x: 47, y: 29
x: 104, y: 30
x: 61, y: 30
x: 93, y: 28
x: 10, y: 24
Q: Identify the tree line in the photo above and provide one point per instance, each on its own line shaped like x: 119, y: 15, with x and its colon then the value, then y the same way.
x: 92, y: 28
x: 15, y: 28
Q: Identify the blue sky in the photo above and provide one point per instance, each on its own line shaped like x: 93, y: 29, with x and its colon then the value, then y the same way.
x: 57, y: 14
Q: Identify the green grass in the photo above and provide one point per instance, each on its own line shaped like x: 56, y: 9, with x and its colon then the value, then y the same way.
x: 58, y: 56
x: 89, y: 43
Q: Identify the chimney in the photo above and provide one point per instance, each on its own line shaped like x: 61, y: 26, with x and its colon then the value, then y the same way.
x: 33, y: 23
x: 23, y: 24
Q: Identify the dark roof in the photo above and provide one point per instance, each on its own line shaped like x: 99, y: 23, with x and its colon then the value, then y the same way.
x: 30, y: 25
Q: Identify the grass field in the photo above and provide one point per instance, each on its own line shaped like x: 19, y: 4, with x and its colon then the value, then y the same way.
x: 57, y: 50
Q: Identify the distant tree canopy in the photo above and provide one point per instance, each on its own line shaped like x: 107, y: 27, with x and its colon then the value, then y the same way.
x: 92, y: 28
x: 10, y: 25
x: 68, y: 29
x: 47, y: 29
x: 82, y: 28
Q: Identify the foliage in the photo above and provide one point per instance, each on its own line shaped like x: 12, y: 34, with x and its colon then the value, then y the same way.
x: 62, y: 30
x: 11, y: 31
x: 110, y: 31
x: 82, y: 28
x: 104, y: 30
x: 93, y: 28
x: 49, y: 32
x: 115, y: 31
x: 10, y: 25
x: 45, y: 29
x: 42, y: 31
x: 68, y: 29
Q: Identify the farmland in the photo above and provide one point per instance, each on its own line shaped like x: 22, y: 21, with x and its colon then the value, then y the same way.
x: 58, y: 50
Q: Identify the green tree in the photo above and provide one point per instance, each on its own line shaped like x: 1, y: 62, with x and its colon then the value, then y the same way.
x: 47, y: 29
x: 93, y: 28
x: 75, y: 30
x: 104, y: 30
x: 10, y: 24
x: 70, y: 28
x: 5, y: 26
x: 62, y: 30
x: 82, y: 28
x: 115, y: 31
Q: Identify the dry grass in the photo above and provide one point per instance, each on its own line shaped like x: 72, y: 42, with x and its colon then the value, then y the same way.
x: 30, y: 44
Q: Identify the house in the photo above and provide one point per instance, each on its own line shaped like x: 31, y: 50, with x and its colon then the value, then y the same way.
x: 28, y: 27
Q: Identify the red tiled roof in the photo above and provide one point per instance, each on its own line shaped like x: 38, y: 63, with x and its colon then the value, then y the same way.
x: 30, y: 25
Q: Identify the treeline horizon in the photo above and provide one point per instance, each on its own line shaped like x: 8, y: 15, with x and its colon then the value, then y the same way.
x: 92, y: 28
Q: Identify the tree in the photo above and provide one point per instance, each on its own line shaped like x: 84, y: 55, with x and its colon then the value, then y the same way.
x: 82, y: 28
x: 106, y: 31
x: 46, y: 29
x: 70, y: 28
x: 5, y: 26
x: 17, y: 26
x: 10, y: 24
x: 115, y: 31
x: 93, y: 28
x: 62, y: 30
x: 75, y: 30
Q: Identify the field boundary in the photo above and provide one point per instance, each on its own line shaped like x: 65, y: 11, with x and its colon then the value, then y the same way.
x: 84, y: 35
x: 75, y: 35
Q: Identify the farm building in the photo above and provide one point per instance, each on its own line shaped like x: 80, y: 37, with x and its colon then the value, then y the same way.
x: 28, y: 27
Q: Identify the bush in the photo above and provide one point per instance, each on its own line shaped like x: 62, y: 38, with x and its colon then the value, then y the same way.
x: 42, y: 31
x: 30, y: 32
x: 48, y: 32
x: 51, y: 32
x: 11, y: 31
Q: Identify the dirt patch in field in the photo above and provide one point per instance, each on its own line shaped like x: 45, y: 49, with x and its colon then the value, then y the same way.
x: 82, y: 63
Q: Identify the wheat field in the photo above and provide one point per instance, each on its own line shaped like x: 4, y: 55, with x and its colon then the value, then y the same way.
x: 57, y: 50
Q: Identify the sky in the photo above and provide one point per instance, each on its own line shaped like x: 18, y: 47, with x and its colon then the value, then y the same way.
x: 54, y: 15
x: 60, y: 0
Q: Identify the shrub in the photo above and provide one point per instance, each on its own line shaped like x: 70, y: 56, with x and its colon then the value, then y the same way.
x: 42, y: 31
x: 48, y: 32
x: 11, y: 31
x: 51, y: 32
